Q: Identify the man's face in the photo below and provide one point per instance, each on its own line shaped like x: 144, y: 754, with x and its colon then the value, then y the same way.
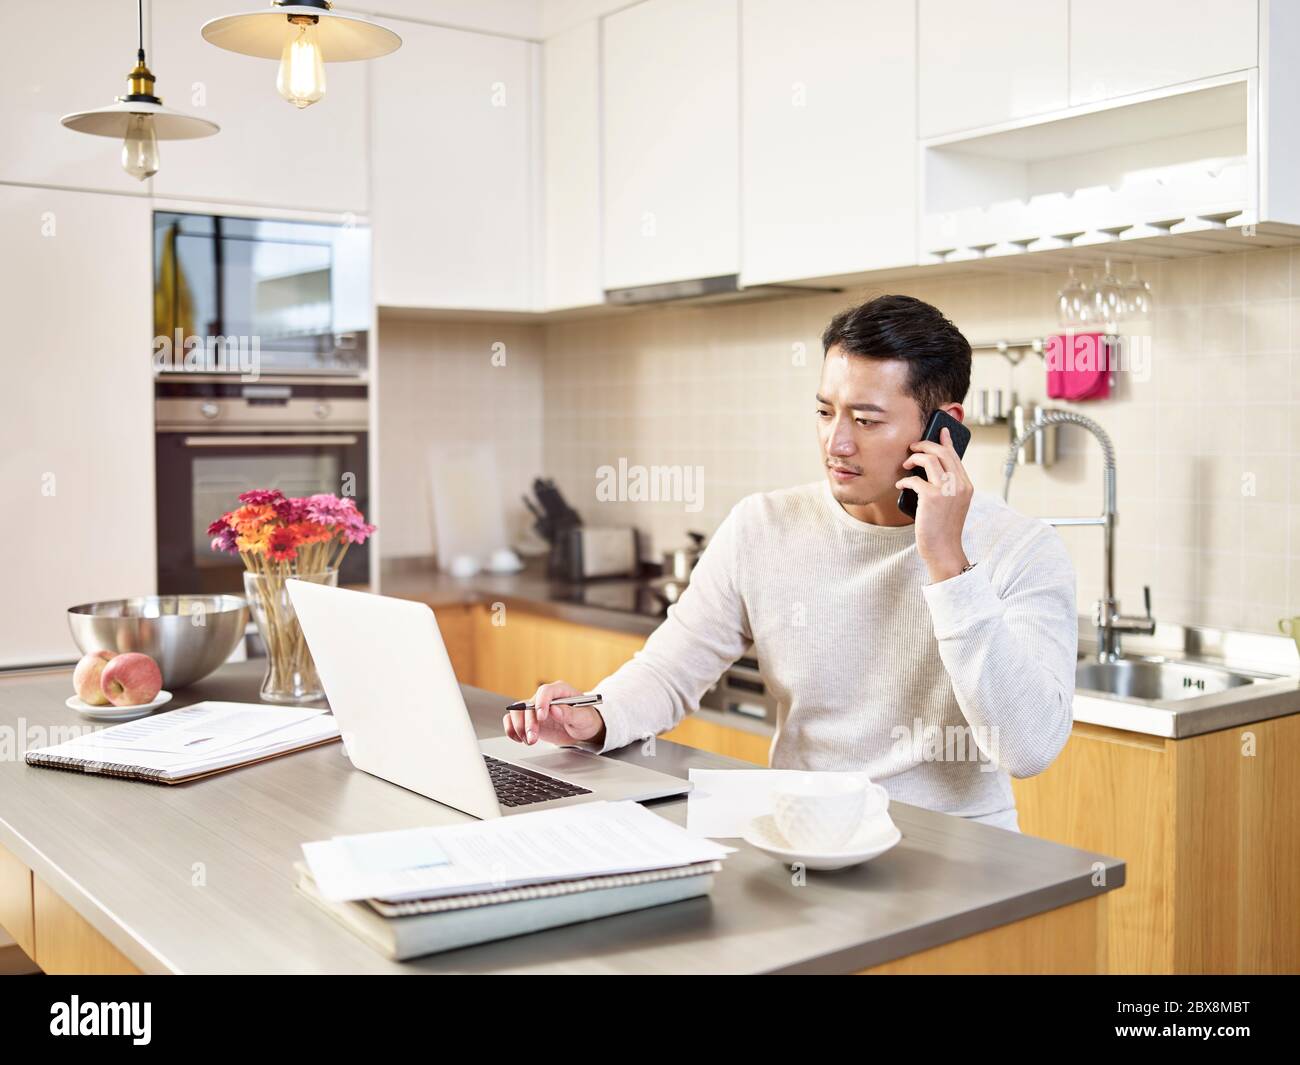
x: 865, y: 422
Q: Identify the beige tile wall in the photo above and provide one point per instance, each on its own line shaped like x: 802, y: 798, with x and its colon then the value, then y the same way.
x: 438, y: 385
x: 1208, y: 444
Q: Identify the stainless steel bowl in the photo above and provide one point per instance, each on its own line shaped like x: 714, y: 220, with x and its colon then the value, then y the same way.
x: 187, y: 635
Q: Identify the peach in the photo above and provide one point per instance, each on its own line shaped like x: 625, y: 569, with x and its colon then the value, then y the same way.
x: 131, y: 679
x: 86, y: 677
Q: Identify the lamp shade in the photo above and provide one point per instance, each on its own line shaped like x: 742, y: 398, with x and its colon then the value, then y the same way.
x: 263, y: 33
x: 112, y: 121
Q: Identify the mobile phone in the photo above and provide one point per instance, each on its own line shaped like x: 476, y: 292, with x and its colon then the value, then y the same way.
x: 939, y: 420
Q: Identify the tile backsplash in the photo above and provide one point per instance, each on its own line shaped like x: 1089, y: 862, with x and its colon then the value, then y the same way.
x: 1207, y: 441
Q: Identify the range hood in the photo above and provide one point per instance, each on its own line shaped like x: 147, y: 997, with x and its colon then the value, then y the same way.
x: 724, y: 288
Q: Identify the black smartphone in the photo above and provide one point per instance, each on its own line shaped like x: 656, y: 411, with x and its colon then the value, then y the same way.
x: 939, y: 420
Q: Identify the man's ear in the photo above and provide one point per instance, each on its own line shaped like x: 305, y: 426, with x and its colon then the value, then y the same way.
x: 955, y: 410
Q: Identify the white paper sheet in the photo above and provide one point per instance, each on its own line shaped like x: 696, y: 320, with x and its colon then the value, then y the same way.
x: 202, y: 728
x: 724, y: 801
x: 567, y: 843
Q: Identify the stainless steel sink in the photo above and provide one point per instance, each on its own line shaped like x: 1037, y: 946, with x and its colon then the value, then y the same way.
x: 1159, y: 679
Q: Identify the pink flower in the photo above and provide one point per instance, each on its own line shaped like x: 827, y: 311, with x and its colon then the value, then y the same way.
x: 291, y: 511
x: 224, y: 539
x: 327, y: 509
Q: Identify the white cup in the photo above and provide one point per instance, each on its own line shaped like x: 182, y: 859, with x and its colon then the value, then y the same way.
x: 821, y: 811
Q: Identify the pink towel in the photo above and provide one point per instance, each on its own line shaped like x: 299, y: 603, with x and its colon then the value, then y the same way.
x: 1077, y: 366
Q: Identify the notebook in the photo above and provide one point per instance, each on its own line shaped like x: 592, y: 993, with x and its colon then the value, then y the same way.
x: 416, y: 927
x: 194, y: 741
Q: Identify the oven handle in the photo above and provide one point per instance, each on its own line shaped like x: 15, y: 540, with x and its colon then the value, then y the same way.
x: 266, y: 441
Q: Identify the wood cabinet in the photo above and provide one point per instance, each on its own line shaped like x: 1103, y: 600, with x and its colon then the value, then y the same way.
x: 268, y: 151
x: 1209, y: 829
x: 988, y: 61
x: 455, y: 210
x: 671, y: 141
x: 828, y: 171
x: 16, y: 915
x: 1119, y: 47
x: 77, y: 434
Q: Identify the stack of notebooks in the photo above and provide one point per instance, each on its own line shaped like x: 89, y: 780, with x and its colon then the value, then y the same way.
x: 195, y: 741
x: 424, y: 890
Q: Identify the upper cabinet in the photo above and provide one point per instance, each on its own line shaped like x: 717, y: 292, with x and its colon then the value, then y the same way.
x: 983, y: 62
x: 56, y: 63
x: 829, y: 157
x: 453, y: 131
x: 268, y: 152
x: 571, y: 145
x: 1119, y: 47
x: 671, y: 142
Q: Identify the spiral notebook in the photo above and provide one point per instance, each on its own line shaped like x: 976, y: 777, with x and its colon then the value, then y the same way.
x: 195, y: 741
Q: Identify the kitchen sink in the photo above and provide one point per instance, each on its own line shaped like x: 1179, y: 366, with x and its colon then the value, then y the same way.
x: 1159, y: 679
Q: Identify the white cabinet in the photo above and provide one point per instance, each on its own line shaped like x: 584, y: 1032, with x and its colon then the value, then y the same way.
x: 268, y: 152
x: 455, y: 178
x: 58, y: 59
x: 571, y: 145
x: 828, y: 171
x: 983, y: 62
x: 671, y: 141
x: 1119, y: 47
x: 76, y: 435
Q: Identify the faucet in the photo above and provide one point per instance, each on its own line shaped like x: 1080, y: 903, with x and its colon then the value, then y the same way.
x: 1106, y: 616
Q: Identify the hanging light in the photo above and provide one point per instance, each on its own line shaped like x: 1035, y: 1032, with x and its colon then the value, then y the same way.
x: 140, y: 119
x: 303, y: 36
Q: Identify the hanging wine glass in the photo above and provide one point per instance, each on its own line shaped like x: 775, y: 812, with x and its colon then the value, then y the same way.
x: 1109, y: 301
x: 1072, y: 302
x: 1137, y: 297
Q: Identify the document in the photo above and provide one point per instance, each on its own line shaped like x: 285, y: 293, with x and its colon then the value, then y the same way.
x: 568, y: 843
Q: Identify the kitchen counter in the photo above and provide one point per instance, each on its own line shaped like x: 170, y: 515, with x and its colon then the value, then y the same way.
x: 623, y: 605
x: 197, y: 878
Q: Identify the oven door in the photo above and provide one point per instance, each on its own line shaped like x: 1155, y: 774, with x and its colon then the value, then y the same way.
x: 200, y: 476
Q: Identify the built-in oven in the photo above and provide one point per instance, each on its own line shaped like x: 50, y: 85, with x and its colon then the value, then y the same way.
x: 282, y: 297
x: 217, y: 437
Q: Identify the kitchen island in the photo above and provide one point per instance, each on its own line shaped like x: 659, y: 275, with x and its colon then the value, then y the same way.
x: 106, y: 875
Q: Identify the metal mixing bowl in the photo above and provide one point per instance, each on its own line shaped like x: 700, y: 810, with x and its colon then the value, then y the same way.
x: 187, y: 635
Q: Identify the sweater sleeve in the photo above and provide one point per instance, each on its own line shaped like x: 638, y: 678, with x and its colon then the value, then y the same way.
x: 705, y: 630
x: 1011, y: 653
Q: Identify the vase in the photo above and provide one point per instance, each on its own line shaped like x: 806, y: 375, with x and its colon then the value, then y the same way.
x: 290, y: 672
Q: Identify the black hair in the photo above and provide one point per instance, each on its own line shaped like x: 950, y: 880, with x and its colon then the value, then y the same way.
x: 903, y: 327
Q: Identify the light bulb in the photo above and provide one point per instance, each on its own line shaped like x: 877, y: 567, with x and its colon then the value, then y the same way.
x: 140, y: 148
x: 301, y: 79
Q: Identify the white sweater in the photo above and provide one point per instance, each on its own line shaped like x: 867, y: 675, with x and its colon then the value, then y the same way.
x: 938, y: 691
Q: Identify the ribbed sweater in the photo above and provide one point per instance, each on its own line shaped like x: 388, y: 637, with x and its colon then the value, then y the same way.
x: 940, y: 692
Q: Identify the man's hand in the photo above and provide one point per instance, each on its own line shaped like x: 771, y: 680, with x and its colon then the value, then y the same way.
x: 942, y: 503
x: 557, y: 724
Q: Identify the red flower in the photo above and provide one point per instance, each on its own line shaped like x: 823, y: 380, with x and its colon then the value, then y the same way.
x: 283, y: 545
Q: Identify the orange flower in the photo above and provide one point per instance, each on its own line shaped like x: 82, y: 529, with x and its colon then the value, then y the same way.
x: 310, y: 532
x: 254, y: 542
x: 248, y: 519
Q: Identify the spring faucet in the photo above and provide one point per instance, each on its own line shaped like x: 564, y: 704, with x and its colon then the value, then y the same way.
x: 1106, y: 616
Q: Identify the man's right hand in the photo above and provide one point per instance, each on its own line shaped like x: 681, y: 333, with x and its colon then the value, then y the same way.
x: 558, y: 724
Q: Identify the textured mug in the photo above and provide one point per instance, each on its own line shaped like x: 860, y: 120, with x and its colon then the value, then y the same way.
x: 1291, y: 627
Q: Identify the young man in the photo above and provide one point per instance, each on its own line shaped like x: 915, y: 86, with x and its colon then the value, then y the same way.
x: 938, y: 654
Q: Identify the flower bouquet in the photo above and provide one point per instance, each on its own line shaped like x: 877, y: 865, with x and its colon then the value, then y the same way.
x: 280, y: 537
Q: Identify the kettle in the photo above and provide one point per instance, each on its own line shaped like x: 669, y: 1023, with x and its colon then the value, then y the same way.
x: 679, y: 563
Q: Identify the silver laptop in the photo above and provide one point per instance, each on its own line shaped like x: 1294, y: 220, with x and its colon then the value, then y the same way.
x: 400, y: 709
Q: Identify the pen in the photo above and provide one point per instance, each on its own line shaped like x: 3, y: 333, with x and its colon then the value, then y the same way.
x: 568, y: 700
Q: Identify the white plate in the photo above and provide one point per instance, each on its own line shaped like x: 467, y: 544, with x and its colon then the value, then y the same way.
x: 116, y: 713
x: 874, y: 836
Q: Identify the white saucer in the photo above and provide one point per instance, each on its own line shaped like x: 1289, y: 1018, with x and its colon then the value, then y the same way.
x: 116, y: 713
x: 874, y: 836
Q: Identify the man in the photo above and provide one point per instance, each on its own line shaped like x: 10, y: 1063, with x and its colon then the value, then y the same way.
x: 937, y: 654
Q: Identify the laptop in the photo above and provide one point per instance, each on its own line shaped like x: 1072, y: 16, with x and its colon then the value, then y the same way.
x: 399, y: 706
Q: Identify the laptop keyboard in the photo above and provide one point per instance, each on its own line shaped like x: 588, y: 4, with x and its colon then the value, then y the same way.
x: 516, y: 786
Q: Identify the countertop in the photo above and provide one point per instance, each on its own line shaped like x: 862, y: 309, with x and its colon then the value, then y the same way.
x: 197, y: 878
x: 1173, y: 719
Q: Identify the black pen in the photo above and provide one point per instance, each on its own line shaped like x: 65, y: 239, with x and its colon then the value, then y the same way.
x: 568, y: 700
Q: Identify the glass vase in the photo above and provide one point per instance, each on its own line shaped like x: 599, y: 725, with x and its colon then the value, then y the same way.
x: 290, y: 672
